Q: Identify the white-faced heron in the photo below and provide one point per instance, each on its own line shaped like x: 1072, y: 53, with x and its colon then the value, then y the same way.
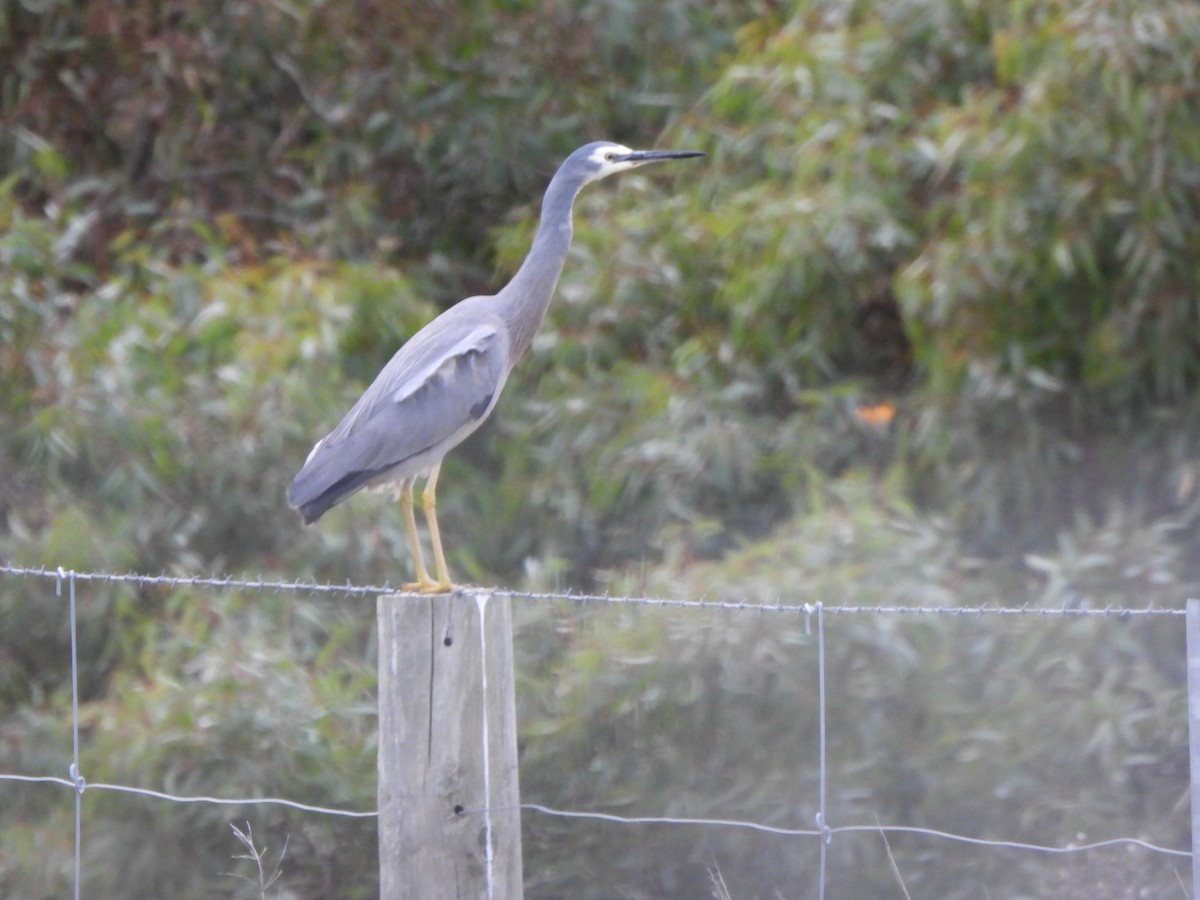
x: 446, y: 379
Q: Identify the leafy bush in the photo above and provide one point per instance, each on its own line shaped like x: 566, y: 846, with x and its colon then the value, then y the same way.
x: 217, y: 695
x: 354, y: 129
x: 984, y: 215
x: 1024, y: 728
x: 169, y: 399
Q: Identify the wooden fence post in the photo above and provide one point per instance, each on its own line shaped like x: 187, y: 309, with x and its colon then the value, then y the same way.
x: 447, y: 749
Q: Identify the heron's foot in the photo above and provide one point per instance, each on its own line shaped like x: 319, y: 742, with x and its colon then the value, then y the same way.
x: 428, y: 586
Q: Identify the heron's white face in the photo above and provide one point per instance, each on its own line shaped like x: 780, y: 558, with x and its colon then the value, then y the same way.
x: 609, y: 158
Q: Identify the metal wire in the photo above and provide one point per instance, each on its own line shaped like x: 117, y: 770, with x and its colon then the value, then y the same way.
x: 261, y: 584
x: 621, y: 820
x: 824, y: 833
x: 177, y: 798
x: 822, y: 821
x: 77, y: 781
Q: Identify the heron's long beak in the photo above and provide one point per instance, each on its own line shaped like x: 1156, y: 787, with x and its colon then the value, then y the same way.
x: 638, y: 157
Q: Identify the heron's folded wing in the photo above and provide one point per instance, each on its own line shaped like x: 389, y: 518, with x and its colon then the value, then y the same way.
x: 425, y: 402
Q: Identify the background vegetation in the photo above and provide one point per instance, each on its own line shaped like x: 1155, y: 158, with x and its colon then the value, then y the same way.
x: 921, y: 328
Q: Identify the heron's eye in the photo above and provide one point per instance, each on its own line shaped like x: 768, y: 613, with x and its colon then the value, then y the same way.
x: 609, y: 156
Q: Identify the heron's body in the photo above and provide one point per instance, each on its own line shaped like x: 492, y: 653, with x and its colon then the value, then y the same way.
x: 436, y: 390
x: 443, y: 383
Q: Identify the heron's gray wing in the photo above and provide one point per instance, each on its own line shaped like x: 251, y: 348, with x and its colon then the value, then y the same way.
x: 430, y: 396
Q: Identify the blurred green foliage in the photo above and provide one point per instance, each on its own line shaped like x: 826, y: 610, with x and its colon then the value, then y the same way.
x: 1051, y: 729
x: 354, y: 129
x: 984, y: 214
x: 921, y: 329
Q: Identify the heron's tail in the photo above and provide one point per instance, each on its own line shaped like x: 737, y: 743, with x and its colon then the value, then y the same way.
x: 308, y: 494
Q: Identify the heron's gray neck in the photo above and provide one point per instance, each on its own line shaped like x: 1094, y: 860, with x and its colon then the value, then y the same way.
x: 527, y: 297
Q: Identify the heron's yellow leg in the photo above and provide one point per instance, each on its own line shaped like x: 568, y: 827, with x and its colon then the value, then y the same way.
x: 429, y: 505
x: 423, y: 582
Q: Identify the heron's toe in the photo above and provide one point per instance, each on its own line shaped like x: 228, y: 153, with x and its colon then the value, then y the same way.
x: 428, y: 587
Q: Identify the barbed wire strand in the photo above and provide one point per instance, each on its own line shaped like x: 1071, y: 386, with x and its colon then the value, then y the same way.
x: 229, y: 583
x: 78, y: 784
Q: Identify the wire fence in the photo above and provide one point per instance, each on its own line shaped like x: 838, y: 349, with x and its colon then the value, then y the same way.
x: 813, y: 614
